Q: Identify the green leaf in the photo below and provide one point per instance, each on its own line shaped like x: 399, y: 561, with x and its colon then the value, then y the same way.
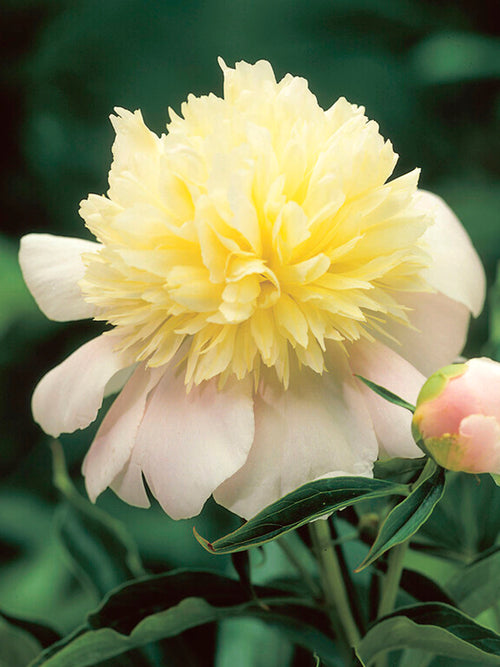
x: 424, y: 589
x: 436, y: 628
x: 125, y: 607
x: 299, y: 507
x: 98, y: 545
x: 407, y: 517
x: 164, y: 606
x: 477, y: 586
x: 17, y: 647
x: 42, y: 633
x: 388, y: 395
x: 93, y: 646
x: 398, y: 469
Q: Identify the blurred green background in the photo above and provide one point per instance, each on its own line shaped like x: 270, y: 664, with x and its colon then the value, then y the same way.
x: 428, y: 72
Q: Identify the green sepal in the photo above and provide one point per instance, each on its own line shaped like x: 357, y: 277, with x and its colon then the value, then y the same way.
x: 495, y: 478
x: 435, y: 384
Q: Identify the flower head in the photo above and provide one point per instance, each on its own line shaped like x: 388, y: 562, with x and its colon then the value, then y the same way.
x: 458, y: 416
x: 256, y: 230
x: 250, y: 260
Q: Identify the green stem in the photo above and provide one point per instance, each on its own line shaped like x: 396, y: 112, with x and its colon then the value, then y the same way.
x: 395, y: 560
x: 390, y: 583
x: 337, y: 600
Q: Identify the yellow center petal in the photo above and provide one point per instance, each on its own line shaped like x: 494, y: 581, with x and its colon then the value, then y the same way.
x: 258, y: 228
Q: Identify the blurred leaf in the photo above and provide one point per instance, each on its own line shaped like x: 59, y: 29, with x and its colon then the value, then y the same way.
x: 456, y: 56
x: 24, y: 519
x: 39, y: 585
x: 437, y: 628
x: 15, y: 299
x: 299, y: 507
x: 493, y: 345
x: 42, y: 633
x: 17, y: 648
x: 164, y: 606
x: 470, y: 529
x: 387, y: 395
x: 241, y: 563
x: 99, y: 546
x: 251, y: 642
x: 407, y: 517
x: 424, y: 589
x: 477, y: 586
x: 88, y: 648
x: 125, y: 607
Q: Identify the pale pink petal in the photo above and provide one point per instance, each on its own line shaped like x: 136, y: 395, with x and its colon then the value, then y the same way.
x: 456, y: 270
x: 444, y: 412
x: 381, y: 365
x: 129, y: 485
x: 115, y: 439
x: 70, y: 395
x: 439, y: 333
x: 189, y: 443
x: 318, y: 427
x: 52, y: 267
x: 482, y: 380
x: 480, y: 444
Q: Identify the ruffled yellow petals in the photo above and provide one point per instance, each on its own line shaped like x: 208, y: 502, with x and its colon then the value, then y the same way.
x: 255, y: 230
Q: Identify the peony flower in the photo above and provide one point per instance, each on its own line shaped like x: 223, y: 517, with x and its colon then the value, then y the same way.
x: 249, y: 262
x: 458, y: 416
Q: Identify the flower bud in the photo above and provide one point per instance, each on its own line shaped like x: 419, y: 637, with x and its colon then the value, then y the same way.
x: 457, y: 419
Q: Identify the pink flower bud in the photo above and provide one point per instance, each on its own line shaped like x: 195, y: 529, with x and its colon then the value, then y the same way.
x: 457, y: 419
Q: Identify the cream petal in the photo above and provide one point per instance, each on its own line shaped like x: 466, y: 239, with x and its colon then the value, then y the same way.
x: 318, y: 427
x: 189, y: 443
x: 112, y: 447
x: 456, y: 270
x: 52, y: 267
x: 439, y: 333
x: 380, y: 364
x: 69, y: 396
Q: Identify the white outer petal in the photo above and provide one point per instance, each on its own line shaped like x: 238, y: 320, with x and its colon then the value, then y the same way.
x: 439, y: 333
x: 115, y: 439
x: 52, y: 267
x: 69, y: 396
x: 318, y: 427
x: 456, y: 270
x: 381, y: 365
x: 188, y: 444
